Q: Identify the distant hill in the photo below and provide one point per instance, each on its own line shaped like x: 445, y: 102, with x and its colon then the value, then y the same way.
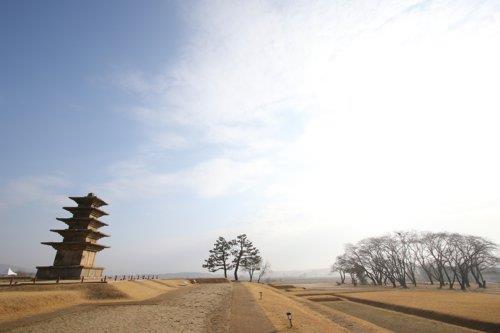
x: 189, y: 275
x: 306, y: 273
x: 20, y: 270
x: 312, y: 273
x: 492, y: 275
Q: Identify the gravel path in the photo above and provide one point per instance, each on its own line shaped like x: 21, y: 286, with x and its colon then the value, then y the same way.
x: 201, y: 308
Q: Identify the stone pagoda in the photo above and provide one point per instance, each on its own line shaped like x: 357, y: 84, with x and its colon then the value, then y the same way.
x: 76, y: 253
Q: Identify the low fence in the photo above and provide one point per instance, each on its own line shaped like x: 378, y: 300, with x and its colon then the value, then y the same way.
x: 11, y: 281
x: 131, y: 277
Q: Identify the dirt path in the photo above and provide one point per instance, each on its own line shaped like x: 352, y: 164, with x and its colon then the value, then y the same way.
x: 246, y: 315
x: 202, y: 308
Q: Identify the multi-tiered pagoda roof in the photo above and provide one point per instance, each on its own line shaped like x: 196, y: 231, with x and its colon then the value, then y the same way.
x: 76, y: 253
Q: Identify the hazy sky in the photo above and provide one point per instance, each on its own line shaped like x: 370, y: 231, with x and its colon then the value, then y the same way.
x: 305, y: 124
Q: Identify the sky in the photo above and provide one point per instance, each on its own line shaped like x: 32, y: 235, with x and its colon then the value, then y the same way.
x: 304, y: 124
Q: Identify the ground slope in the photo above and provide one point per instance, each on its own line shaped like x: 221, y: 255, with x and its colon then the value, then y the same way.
x: 28, y: 300
x: 198, y: 308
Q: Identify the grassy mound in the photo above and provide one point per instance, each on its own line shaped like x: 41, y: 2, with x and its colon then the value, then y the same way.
x: 210, y: 280
x: 26, y: 300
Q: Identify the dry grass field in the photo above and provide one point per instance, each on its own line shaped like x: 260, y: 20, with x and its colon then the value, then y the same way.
x: 394, y: 321
x: 422, y: 309
x: 27, y: 300
x: 195, y: 308
x: 276, y: 305
x: 144, y: 289
x: 15, y: 305
x: 180, y: 305
x: 474, y: 305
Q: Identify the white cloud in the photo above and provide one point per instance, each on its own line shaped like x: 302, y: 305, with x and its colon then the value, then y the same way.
x: 350, y: 118
x: 42, y: 189
x: 211, y: 178
x: 223, y: 176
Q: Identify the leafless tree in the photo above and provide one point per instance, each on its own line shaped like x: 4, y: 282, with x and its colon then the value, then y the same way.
x: 481, y: 257
x: 421, y: 256
x: 341, y: 266
x: 264, y: 269
x: 398, y: 258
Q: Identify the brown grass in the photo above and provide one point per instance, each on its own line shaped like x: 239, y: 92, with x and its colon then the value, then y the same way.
x: 323, y: 298
x: 296, y: 289
x: 55, y: 287
x: 15, y: 305
x: 283, y: 286
x: 144, y: 289
x: 210, y: 280
x: 316, y: 293
x: 139, y: 290
x: 26, y: 300
x: 479, y: 306
x: 276, y: 305
x: 394, y: 321
x: 346, y: 321
x: 91, y: 291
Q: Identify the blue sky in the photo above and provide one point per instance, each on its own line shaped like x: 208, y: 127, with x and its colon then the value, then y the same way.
x: 54, y: 59
x: 306, y: 125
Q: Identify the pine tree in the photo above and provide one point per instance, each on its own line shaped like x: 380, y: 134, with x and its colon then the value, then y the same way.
x: 219, y: 258
x: 242, y: 248
x: 252, y: 263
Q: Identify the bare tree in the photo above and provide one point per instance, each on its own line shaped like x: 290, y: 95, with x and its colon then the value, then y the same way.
x: 421, y: 256
x: 354, y: 267
x: 341, y: 265
x: 440, y: 251
x: 264, y: 269
x: 481, y: 257
x: 447, y: 258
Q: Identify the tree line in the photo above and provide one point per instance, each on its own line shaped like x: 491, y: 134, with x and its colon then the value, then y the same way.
x: 400, y: 258
x: 235, y: 254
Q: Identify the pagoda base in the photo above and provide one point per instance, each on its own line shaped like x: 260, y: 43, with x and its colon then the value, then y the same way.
x: 68, y: 272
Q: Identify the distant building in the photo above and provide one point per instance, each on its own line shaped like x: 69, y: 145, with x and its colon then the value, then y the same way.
x: 76, y: 253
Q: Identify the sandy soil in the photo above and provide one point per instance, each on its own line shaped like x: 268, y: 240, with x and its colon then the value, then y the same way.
x: 480, y: 306
x: 198, y: 308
